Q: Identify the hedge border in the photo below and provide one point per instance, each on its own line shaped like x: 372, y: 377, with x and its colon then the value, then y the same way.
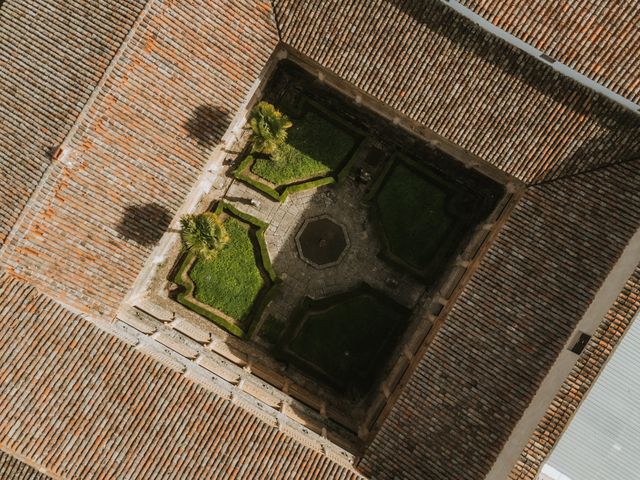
x: 185, y: 297
x: 333, y: 177
x: 426, y: 274
x: 264, y: 297
x: 308, y: 304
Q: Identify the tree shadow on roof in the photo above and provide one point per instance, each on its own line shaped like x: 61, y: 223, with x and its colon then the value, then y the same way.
x: 208, y: 124
x: 144, y: 224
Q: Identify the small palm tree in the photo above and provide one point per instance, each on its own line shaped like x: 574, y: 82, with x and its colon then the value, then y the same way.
x: 269, y: 127
x: 204, y: 235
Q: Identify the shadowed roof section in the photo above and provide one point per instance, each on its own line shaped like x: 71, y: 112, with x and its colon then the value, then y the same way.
x: 52, y: 55
x: 507, y: 327
x: 166, y: 104
x: 13, y: 469
x: 599, y: 39
x: 441, y: 70
x: 83, y: 404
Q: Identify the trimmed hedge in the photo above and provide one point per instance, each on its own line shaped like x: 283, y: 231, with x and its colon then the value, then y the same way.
x: 271, y: 192
x: 460, y: 222
x: 347, y: 319
x: 262, y: 227
x: 186, y: 295
x: 281, y: 192
x: 240, y: 174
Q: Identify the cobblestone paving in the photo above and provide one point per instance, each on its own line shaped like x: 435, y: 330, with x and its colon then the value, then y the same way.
x: 343, y: 204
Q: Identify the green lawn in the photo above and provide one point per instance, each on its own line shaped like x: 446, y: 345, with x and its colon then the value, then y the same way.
x: 230, y: 282
x: 413, y: 215
x: 315, y: 147
x: 349, y: 341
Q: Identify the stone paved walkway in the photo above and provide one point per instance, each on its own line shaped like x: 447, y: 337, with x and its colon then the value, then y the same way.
x: 343, y: 204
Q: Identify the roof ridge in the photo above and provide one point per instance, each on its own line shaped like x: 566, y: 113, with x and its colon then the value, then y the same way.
x: 275, y: 19
x: 539, y: 55
x: 13, y: 465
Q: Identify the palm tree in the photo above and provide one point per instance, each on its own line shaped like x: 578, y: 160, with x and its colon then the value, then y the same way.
x: 269, y: 127
x: 204, y: 235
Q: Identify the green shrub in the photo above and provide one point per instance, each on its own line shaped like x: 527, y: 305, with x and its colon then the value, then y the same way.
x: 203, y: 235
x: 269, y: 127
x: 231, y: 282
x: 316, y: 147
x: 275, y: 194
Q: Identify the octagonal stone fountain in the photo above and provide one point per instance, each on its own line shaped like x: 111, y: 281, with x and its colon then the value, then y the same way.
x: 322, y: 242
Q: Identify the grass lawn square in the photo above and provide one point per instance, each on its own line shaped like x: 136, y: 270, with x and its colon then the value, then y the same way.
x: 347, y: 342
x: 422, y: 216
x: 315, y: 147
x: 232, y: 281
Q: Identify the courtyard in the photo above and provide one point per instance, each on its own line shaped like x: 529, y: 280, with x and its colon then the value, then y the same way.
x: 338, y: 241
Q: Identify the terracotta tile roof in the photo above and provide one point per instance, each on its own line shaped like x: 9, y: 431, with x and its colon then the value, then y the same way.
x: 136, y: 138
x: 13, y: 469
x: 582, y: 377
x: 80, y: 399
x: 507, y: 327
x: 433, y: 65
x: 600, y: 39
x: 52, y: 54
x: 171, y: 96
x: 84, y: 404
